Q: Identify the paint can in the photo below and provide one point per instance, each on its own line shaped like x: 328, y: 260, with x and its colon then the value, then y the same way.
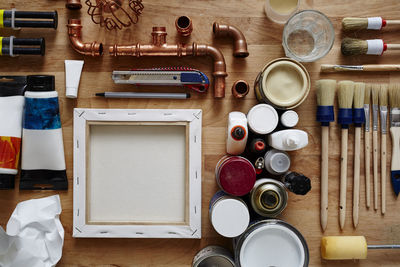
x: 283, y: 83
x: 262, y: 119
x: 268, y: 197
x: 235, y: 175
x: 271, y: 243
x: 276, y: 162
x: 213, y: 256
x: 228, y: 215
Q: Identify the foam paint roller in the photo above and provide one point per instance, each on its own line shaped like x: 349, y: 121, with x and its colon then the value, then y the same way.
x: 348, y: 247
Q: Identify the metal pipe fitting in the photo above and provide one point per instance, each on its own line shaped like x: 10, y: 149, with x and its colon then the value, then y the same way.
x: 73, y: 4
x: 159, y: 47
x: 240, y: 89
x: 184, y: 26
x: 75, y: 37
x: 239, y: 41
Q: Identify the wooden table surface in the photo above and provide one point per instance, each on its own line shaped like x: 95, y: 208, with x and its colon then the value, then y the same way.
x: 264, y: 40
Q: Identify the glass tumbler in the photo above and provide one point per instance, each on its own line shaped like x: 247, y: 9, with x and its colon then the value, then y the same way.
x: 308, y: 36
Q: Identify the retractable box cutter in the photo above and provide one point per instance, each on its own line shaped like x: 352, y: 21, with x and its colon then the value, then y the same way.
x: 186, y: 77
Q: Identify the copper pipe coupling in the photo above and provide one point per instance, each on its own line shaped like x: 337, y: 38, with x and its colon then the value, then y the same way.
x: 75, y: 36
x: 239, y: 41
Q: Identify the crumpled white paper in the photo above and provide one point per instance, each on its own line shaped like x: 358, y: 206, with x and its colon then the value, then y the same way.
x: 34, y: 234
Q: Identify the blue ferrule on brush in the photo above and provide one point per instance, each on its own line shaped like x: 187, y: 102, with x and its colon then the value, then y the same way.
x: 345, y: 117
x: 358, y: 117
x: 325, y: 114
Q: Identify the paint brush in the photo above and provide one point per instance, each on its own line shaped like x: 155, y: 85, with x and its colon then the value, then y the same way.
x: 358, y: 119
x: 375, y: 98
x: 345, y: 118
x: 394, y: 98
x: 367, y: 67
x: 383, y: 102
x: 374, y: 23
x: 325, y: 90
x: 352, y: 47
x: 367, y: 149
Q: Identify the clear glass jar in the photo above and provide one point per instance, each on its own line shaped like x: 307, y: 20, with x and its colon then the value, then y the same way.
x: 308, y: 36
x: 280, y: 11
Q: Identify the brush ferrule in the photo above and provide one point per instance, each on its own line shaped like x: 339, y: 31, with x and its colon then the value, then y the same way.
x: 375, y: 109
x: 366, y: 115
x: 325, y: 114
x: 345, y: 116
x: 375, y: 47
x: 374, y: 23
x: 394, y: 117
x: 358, y: 116
x: 383, y: 112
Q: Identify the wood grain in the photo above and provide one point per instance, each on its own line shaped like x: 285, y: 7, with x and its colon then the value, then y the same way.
x: 264, y: 40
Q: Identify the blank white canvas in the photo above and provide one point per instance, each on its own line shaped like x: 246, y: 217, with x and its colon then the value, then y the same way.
x: 137, y: 174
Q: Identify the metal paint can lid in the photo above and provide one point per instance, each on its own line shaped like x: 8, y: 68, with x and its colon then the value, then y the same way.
x: 235, y: 175
x: 213, y: 256
x: 271, y: 243
x: 229, y: 216
x: 276, y: 162
x: 262, y: 119
x: 289, y: 118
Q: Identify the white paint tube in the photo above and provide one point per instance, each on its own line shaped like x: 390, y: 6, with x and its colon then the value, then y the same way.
x: 73, y: 70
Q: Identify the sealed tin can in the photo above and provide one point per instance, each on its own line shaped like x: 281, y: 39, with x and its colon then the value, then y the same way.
x: 213, y: 256
x: 235, y: 175
x: 268, y: 197
x: 271, y: 243
x: 283, y: 83
x: 228, y: 215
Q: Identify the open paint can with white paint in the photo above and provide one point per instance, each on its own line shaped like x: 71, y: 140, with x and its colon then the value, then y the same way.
x: 228, y: 215
x: 213, y: 256
x: 283, y: 83
x: 271, y: 243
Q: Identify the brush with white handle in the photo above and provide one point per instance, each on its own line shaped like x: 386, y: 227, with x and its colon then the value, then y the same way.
x: 373, y: 23
x: 352, y: 47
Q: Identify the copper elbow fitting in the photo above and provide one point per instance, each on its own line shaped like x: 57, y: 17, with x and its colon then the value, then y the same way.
x: 240, y: 89
x: 75, y: 37
x: 73, y: 4
x: 239, y: 41
x: 184, y: 26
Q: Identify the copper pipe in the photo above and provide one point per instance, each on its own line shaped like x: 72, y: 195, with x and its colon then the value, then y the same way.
x: 159, y: 47
x: 240, y: 89
x: 75, y: 36
x: 73, y: 4
x: 184, y: 26
x: 239, y: 44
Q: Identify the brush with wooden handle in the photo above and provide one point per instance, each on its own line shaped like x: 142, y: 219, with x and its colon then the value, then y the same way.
x: 367, y: 143
x: 368, y: 67
x: 325, y: 90
x: 394, y: 98
x: 375, y: 109
x: 352, y: 47
x: 358, y: 120
x: 374, y: 23
x: 345, y: 118
x: 383, y: 102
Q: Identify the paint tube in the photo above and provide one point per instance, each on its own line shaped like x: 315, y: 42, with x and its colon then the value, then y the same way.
x: 11, y: 110
x: 43, y: 161
x: 73, y: 70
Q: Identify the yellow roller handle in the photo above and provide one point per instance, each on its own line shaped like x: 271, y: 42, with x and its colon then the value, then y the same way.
x: 1, y: 18
x: 344, y: 247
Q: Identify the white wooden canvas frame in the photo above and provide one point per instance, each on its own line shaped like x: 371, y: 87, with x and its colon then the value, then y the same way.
x: 191, y: 227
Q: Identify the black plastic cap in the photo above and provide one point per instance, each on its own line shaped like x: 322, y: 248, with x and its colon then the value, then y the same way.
x: 40, y: 83
x: 297, y: 183
x: 238, y: 133
x: 55, y: 19
x: 7, y: 181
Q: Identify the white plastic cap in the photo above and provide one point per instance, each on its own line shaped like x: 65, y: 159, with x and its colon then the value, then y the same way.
x: 71, y: 92
x: 262, y: 119
x: 289, y: 118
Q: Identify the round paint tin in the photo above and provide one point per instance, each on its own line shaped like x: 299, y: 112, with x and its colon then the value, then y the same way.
x: 235, y: 175
x: 276, y: 162
x: 213, y: 256
x: 268, y: 197
x: 228, y: 215
x: 262, y: 119
x: 283, y: 83
x: 271, y: 243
